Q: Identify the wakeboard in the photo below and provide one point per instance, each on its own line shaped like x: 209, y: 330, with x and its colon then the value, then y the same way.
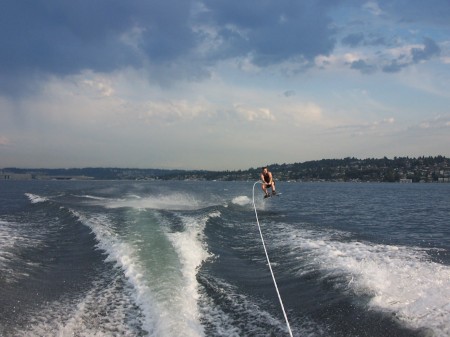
x: 272, y: 195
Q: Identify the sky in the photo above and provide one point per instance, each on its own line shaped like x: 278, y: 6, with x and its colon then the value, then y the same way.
x: 221, y: 84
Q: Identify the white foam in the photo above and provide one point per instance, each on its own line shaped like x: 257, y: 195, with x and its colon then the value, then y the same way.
x: 175, y: 201
x: 192, y: 253
x: 124, y: 256
x: 14, y: 238
x: 241, y: 200
x: 8, y: 235
x: 168, y: 301
x: 7, y: 255
x: 34, y: 198
x: 215, y: 214
x: 87, y: 196
x: 85, y: 316
x: 399, y: 279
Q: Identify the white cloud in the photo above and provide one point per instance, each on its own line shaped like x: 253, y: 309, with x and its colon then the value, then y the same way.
x: 371, y: 128
x: 252, y: 114
x: 437, y: 122
x: 173, y: 110
x: 403, y: 51
x: 309, y: 113
x: 373, y: 7
x: 246, y: 65
x: 341, y: 59
x: 99, y: 87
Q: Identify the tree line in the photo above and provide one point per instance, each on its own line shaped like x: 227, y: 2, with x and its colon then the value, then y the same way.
x: 346, y: 169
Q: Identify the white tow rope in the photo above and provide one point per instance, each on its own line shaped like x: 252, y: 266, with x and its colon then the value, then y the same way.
x: 270, y: 266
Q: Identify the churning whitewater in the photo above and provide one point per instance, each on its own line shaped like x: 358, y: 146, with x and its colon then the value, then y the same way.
x: 185, y: 259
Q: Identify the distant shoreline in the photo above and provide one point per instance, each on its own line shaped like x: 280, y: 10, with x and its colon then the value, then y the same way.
x: 400, y: 169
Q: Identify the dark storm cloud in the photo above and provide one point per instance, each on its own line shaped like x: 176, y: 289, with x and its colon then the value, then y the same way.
x: 353, y: 40
x: 359, y: 39
x: 273, y: 31
x: 394, y: 67
x: 58, y: 38
x: 363, y: 66
x: 430, y: 49
x: 53, y: 37
x: 65, y: 37
x: 435, y: 12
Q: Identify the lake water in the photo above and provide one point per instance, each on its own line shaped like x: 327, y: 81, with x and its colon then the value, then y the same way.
x: 122, y: 258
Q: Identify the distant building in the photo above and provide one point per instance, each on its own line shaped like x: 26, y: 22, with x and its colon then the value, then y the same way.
x: 405, y: 181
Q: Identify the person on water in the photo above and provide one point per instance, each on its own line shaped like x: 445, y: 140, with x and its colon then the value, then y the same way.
x: 267, y: 182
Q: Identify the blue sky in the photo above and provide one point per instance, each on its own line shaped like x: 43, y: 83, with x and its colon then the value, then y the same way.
x: 221, y: 84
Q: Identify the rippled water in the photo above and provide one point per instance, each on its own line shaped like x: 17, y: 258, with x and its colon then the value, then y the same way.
x: 185, y: 259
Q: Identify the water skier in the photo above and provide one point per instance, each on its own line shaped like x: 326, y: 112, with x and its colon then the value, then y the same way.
x: 267, y: 182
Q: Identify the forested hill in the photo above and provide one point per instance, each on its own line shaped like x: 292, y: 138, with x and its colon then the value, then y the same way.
x: 426, y: 169
x: 371, y: 169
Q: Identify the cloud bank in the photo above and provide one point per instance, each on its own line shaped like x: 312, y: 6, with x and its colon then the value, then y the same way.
x: 211, y: 79
x: 185, y: 38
